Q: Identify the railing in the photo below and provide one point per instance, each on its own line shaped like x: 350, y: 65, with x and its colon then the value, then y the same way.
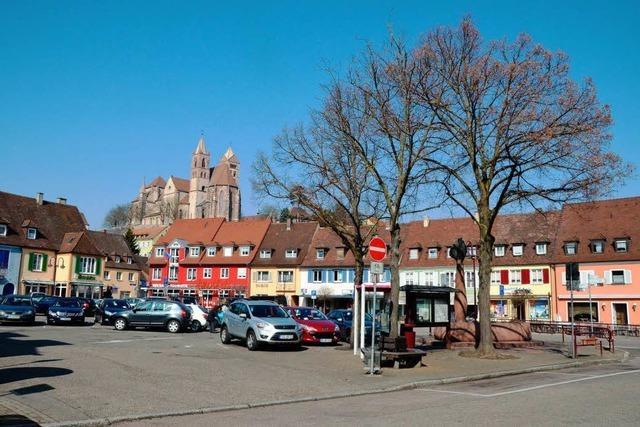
x: 553, y: 327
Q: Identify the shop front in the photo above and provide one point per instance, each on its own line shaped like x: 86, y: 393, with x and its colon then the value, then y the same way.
x: 91, y: 290
x: 427, y: 305
x: 521, y: 307
x: 38, y: 286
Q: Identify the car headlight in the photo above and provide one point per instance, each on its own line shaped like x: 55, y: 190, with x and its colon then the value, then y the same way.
x: 262, y: 325
x: 108, y: 313
x: 308, y: 328
x: 2, y: 313
x: 336, y: 328
x: 28, y: 312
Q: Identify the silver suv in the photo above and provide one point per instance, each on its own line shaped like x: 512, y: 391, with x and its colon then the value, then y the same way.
x: 259, y: 322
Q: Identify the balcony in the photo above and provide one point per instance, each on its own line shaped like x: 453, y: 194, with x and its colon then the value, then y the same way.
x: 285, y: 287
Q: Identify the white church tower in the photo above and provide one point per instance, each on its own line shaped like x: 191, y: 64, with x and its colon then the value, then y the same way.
x: 199, y: 179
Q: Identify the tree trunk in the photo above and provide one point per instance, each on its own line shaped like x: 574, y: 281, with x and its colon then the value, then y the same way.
x: 395, y: 280
x: 485, y: 344
x: 357, y: 283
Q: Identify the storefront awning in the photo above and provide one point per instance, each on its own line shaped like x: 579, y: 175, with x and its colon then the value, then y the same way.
x: 39, y: 282
x: 94, y: 284
x: 428, y: 289
x: 368, y: 286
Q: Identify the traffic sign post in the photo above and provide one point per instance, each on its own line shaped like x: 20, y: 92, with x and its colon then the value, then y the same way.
x: 377, y: 252
x: 377, y: 249
x: 572, y: 276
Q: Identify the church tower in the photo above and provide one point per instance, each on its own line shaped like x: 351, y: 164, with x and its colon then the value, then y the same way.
x: 199, y: 180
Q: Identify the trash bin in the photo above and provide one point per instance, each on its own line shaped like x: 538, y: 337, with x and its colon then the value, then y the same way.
x: 406, y: 330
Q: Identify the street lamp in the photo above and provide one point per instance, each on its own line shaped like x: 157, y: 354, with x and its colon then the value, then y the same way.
x: 53, y: 262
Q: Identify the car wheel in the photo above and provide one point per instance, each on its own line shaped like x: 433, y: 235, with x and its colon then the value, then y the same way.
x: 224, y: 335
x: 173, y: 326
x: 252, y: 341
x: 347, y: 336
x: 120, y: 324
x: 50, y: 321
x: 195, y: 326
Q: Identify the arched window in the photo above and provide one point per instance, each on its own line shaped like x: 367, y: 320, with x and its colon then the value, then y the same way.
x: 203, y: 188
x: 203, y: 164
x: 195, y: 163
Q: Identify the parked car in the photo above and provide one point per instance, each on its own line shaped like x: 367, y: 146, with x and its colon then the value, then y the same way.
x: 108, y: 308
x: 36, y: 297
x: 17, y: 308
x: 259, y: 322
x: 173, y: 316
x: 133, y: 301
x: 66, y: 310
x: 89, y: 306
x: 42, y: 306
x: 344, y: 319
x: 316, y: 327
x: 199, y: 316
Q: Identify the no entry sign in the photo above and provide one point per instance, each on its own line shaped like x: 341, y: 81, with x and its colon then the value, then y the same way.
x: 377, y: 249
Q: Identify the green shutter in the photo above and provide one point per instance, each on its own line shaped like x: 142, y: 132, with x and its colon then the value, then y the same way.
x: 31, y: 261
x: 98, y: 263
x: 78, y: 266
x: 45, y: 259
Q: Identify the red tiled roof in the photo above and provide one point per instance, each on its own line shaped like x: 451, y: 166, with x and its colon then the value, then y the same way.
x: 327, y: 239
x: 278, y: 239
x: 244, y: 232
x: 157, y: 182
x: 222, y: 175
x: 192, y: 230
x: 148, y: 232
x: 604, y: 219
x: 181, y: 184
x: 79, y: 243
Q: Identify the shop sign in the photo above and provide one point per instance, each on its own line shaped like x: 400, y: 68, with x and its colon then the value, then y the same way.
x: 86, y: 277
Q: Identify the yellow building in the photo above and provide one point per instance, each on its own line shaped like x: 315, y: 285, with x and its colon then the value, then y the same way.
x: 37, y: 271
x: 79, y: 272
x: 147, y: 236
x: 275, y: 271
x: 522, y: 292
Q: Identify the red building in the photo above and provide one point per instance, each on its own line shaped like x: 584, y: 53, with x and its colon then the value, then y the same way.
x: 206, y: 258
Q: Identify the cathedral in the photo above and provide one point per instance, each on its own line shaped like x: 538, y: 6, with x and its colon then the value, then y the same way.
x: 210, y: 192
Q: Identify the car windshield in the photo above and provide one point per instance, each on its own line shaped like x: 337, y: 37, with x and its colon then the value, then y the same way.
x: 16, y: 300
x: 348, y: 315
x: 309, y: 314
x: 116, y: 303
x: 67, y: 303
x: 267, y: 311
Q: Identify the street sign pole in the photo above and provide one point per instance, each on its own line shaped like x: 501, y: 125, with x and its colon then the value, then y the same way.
x: 373, y: 325
x: 573, y: 335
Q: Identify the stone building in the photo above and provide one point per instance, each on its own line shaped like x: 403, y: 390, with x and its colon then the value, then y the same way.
x: 210, y: 192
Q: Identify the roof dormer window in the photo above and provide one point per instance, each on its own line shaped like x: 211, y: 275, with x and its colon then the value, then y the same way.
x: 499, y: 250
x: 32, y: 233
x: 541, y: 248
x: 291, y: 253
x: 517, y: 250
x: 265, y: 253
x: 597, y: 246
x: 320, y: 253
x: 117, y: 258
x: 129, y: 260
x: 3, y: 229
x: 211, y: 251
x: 194, y: 251
x: 340, y: 253
x: 621, y: 245
x: 414, y: 253
x: 245, y: 250
x: 433, y: 253
x: 227, y: 251
x: 570, y: 248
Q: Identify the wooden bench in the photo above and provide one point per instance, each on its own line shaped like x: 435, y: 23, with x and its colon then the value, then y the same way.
x: 403, y: 359
x: 587, y: 342
x: 603, y: 333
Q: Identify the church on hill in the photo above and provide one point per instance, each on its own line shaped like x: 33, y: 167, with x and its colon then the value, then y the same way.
x: 210, y: 192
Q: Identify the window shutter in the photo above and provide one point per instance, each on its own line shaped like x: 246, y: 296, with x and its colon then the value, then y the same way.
x: 309, y: 276
x: 525, y: 279
x: 78, y: 266
x: 627, y: 277
x: 504, y: 277
x: 98, y: 265
x: 45, y: 259
x: 564, y: 277
x: 607, y: 277
x: 545, y: 275
x: 32, y: 260
x: 584, y: 278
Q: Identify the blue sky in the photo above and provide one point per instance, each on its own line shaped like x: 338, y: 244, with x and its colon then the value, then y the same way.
x: 95, y: 96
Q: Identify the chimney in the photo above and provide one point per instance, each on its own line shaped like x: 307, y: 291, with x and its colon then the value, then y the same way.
x: 425, y: 222
x: 39, y: 199
x: 61, y: 201
x: 289, y: 224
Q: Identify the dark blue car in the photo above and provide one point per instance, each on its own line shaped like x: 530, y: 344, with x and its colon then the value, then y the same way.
x: 42, y: 304
x: 344, y: 319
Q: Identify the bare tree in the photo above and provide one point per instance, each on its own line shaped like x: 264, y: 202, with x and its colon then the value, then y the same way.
x: 324, y: 292
x: 394, y: 133
x: 515, y: 130
x: 118, y: 217
x: 168, y: 210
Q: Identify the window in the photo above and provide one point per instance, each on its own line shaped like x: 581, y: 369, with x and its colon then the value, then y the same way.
x: 536, y: 276
x: 224, y: 273
x: 337, y: 276
x: 291, y: 253
x: 541, y: 248
x: 173, y: 252
x: 119, y: 276
x: 285, y: 276
x: 409, y: 279
x: 242, y: 273
x: 340, y: 253
x: 87, y: 265
x: 517, y: 250
x: 173, y: 272
x: 3, y: 230
x: 617, y: 277
x: 38, y: 262
x: 317, y: 276
x: 244, y: 250
x: 124, y: 295
x: 194, y: 252
x: 621, y: 245
x: 499, y: 250
x: 117, y: 258
x: 211, y: 251
x: 207, y: 294
x: 413, y: 253
x: 515, y: 277
x: 191, y: 274
x: 107, y: 274
x: 227, y: 251
x: 570, y: 248
x: 265, y: 253
x: 430, y: 278
x: 495, y: 277
x: 224, y: 293
x: 189, y: 293
x: 31, y: 233
x: 157, y: 273
x: 447, y: 278
x: 320, y: 253
x: 448, y: 251
x: 263, y: 276
x: 433, y: 253
x: 206, y: 273
x: 597, y: 246
x: 129, y: 260
x: 159, y: 252
x: 469, y: 279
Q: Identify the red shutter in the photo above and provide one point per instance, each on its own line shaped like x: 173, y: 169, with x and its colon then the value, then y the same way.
x: 504, y: 277
x: 525, y: 276
x: 545, y: 275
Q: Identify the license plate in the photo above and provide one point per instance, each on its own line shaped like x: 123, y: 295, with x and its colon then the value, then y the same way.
x: 286, y: 337
x: 14, y: 316
x: 65, y: 318
x: 326, y: 340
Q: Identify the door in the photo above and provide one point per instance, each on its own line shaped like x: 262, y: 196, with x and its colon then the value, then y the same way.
x: 141, y: 314
x: 243, y: 323
x: 620, y: 313
x: 519, y: 306
x: 159, y: 313
x: 232, y: 318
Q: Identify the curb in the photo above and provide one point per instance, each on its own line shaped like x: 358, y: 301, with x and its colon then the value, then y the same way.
x: 99, y: 422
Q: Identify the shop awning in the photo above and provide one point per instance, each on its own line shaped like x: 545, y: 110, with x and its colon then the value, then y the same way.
x: 415, y: 289
x: 94, y: 284
x: 39, y: 282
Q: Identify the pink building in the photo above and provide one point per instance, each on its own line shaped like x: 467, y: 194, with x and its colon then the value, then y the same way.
x: 604, y: 238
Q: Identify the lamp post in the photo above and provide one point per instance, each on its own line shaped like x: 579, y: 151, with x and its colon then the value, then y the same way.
x: 55, y: 264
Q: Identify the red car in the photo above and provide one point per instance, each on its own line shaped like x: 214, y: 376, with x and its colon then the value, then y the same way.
x: 316, y: 328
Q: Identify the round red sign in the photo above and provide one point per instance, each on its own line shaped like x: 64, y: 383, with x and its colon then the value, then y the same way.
x: 377, y: 249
